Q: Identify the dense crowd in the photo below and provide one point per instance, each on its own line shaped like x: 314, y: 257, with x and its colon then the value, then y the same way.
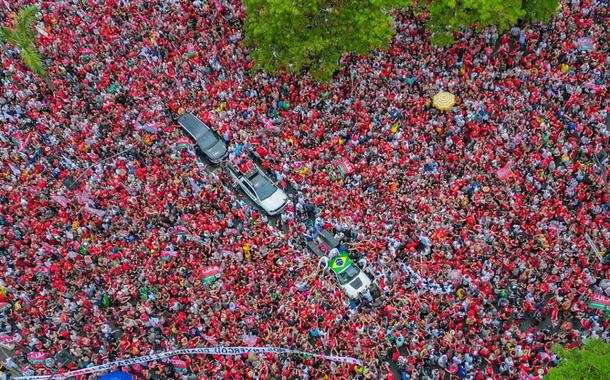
x: 108, y: 222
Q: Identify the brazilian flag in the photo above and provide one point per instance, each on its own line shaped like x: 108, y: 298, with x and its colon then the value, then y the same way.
x: 340, y: 262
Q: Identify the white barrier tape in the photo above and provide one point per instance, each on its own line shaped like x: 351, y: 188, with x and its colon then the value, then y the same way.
x: 189, y: 351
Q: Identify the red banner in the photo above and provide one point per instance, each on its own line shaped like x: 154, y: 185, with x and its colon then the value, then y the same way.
x: 601, y: 299
x: 345, y: 167
x: 504, y: 172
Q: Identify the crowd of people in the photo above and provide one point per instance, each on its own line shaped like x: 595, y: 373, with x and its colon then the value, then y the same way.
x: 478, y: 223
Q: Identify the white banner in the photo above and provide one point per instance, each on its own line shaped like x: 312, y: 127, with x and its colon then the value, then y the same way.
x: 189, y: 351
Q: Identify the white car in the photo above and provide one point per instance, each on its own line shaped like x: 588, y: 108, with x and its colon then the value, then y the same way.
x: 350, y: 278
x: 258, y: 187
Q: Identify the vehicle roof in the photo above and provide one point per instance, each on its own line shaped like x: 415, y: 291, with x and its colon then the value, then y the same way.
x: 356, y: 283
x: 257, y: 180
x: 191, y: 123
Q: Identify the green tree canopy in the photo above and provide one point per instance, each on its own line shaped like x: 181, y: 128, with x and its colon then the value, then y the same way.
x: 23, y: 36
x: 447, y: 16
x: 539, y: 10
x: 589, y: 362
x: 313, y: 34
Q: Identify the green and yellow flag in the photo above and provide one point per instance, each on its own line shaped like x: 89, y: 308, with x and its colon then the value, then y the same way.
x: 340, y: 262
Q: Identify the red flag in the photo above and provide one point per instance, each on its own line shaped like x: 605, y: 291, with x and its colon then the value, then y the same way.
x: 345, y: 167
x: 249, y: 321
x: 63, y: 201
x: 210, y: 339
x: 268, y: 123
x: 94, y: 211
x: 249, y: 340
x: 505, y: 172
x: 181, y: 230
x: 83, y: 199
x: 601, y: 299
x: 554, y: 314
x: 24, y: 142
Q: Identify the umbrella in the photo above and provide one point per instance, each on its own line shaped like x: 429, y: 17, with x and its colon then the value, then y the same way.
x: 443, y: 100
x: 116, y: 375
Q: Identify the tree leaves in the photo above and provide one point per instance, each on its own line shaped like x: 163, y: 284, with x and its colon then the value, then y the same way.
x: 589, y: 362
x: 540, y: 10
x: 32, y: 59
x: 23, y: 36
x: 448, y: 16
x: 8, y: 36
x: 25, y: 23
x: 312, y: 35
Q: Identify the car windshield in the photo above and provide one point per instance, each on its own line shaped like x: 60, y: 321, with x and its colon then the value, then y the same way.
x: 348, y: 274
x: 264, y: 188
x: 207, y: 141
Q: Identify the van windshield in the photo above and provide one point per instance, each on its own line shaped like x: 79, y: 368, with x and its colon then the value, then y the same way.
x: 264, y: 188
x: 348, y: 274
x: 207, y: 141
